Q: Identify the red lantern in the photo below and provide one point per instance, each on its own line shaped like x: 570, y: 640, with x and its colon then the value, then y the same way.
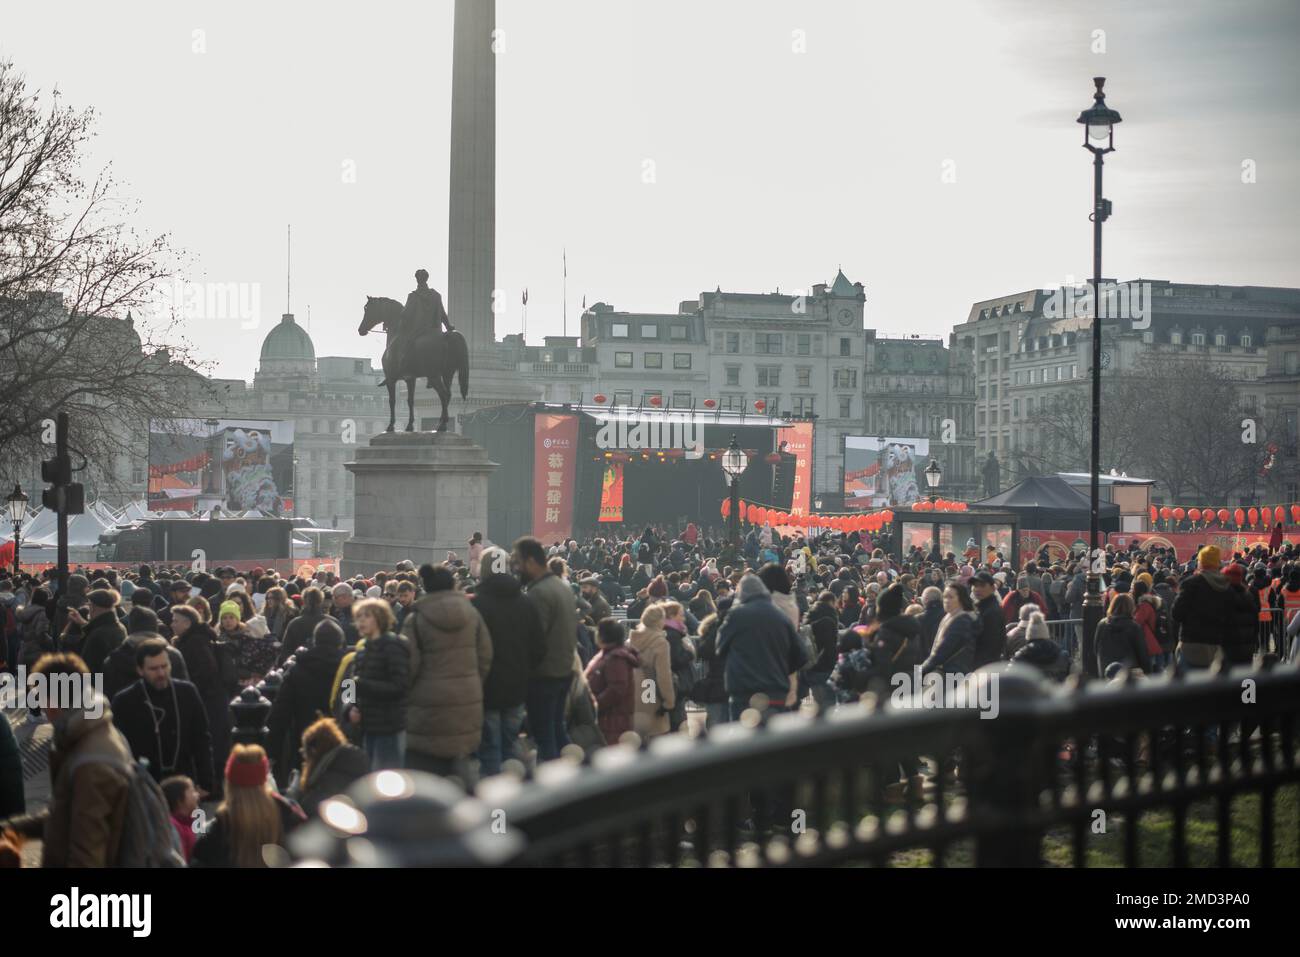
x: 1179, y: 514
x: 1295, y: 514
x: 710, y: 403
x: 1224, y: 515
x: 726, y: 508
x: 1166, y: 512
x: 760, y: 405
x: 1239, y: 516
x: 1155, y: 513
x: 1279, y: 515
x: 772, y: 458
x: 1253, y: 515
x: 1194, y: 514
x: 887, y: 515
x: 656, y: 400
x: 744, y: 510
x: 600, y: 398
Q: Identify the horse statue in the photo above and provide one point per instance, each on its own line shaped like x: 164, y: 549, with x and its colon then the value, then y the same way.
x: 412, y: 353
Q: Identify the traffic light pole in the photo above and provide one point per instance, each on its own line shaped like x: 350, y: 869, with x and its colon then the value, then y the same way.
x: 61, y: 445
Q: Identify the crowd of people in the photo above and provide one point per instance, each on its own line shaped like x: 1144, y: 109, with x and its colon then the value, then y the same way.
x: 510, y: 658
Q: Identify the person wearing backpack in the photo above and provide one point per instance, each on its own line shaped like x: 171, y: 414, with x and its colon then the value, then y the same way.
x: 90, y: 775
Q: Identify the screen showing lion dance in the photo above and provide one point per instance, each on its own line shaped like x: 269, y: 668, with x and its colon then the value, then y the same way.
x: 233, y: 463
x: 881, y: 472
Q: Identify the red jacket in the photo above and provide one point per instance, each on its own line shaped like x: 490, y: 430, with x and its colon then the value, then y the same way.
x: 609, y: 676
x: 1146, y: 617
x: 1012, y: 604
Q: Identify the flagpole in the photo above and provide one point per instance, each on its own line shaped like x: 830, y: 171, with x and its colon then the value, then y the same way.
x: 566, y: 292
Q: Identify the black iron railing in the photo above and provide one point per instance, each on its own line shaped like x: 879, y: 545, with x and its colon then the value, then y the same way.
x: 1200, y: 770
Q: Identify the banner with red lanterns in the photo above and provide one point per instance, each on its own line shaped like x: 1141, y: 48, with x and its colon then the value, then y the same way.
x: 611, y: 493
x: 555, y: 451
x: 798, y: 441
x: 1264, y: 517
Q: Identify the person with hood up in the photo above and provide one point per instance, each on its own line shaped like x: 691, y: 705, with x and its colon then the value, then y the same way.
x: 1204, y: 610
x: 451, y: 656
x: 518, y: 645
x: 303, y: 697
x: 654, y: 664
x: 761, y: 649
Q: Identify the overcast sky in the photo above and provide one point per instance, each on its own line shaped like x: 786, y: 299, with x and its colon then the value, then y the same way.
x: 771, y: 167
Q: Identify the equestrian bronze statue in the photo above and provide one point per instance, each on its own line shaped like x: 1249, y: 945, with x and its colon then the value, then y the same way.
x: 418, y: 347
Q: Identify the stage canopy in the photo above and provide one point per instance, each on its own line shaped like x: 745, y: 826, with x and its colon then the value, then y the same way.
x: 1051, y: 502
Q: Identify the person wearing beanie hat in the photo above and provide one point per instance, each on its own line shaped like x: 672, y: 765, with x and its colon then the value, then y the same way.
x: 120, y: 667
x: 303, y: 696
x: 251, y: 817
x: 1204, y: 610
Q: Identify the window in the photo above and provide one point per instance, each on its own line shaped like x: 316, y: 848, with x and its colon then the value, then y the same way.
x: 622, y: 360
x: 846, y: 347
x: 654, y: 360
x: 1074, y: 371
x: 768, y: 376
x: 732, y: 374
x: 681, y: 400
x: 681, y: 360
x: 618, y: 330
x: 677, y: 331
x: 1245, y: 340
x: 803, y: 377
x: 623, y: 398
x: 1029, y: 406
x: 137, y: 474
x: 983, y: 393
x: 1176, y: 337
x: 768, y: 344
x: 649, y: 331
x: 732, y: 403
x: 1015, y: 409
x: 733, y: 342
x: 804, y: 344
x: 993, y: 390
x: 772, y: 404
x: 846, y: 378
x: 1290, y: 363
x: 1198, y: 338
x: 846, y: 407
x: 1220, y: 339
x: 803, y: 405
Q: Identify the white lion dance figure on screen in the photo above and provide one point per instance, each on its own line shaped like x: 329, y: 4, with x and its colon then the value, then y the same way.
x: 247, y: 464
x: 898, y: 474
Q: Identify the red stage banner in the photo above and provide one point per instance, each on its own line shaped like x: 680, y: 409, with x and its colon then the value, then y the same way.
x: 611, y: 493
x: 798, y: 439
x: 555, y: 455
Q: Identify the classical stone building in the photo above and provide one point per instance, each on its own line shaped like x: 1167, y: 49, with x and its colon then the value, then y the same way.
x: 1028, y: 348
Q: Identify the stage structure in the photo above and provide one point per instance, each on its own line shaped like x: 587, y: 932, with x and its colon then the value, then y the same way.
x: 574, y: 470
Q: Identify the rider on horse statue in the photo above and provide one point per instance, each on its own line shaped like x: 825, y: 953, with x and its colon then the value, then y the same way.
x: 424, y: 312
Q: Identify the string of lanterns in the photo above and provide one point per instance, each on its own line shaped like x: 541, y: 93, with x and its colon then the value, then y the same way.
x: 755, y: 513
x: 1239, y: 517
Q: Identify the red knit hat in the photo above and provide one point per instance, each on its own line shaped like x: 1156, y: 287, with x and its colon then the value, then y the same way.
x: 247, y: 774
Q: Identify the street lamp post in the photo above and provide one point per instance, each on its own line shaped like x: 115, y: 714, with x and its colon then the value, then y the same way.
x: 734, y: 463
x: 933, y: 476
x: 17, y: 512
x: 1099, y: 139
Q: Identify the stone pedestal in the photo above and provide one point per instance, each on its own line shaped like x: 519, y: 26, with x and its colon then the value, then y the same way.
x: 417, y: 496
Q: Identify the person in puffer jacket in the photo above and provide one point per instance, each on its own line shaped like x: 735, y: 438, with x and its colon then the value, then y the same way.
x: 610, y: 676
x: 383, y: 669
x: 451, y: 656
